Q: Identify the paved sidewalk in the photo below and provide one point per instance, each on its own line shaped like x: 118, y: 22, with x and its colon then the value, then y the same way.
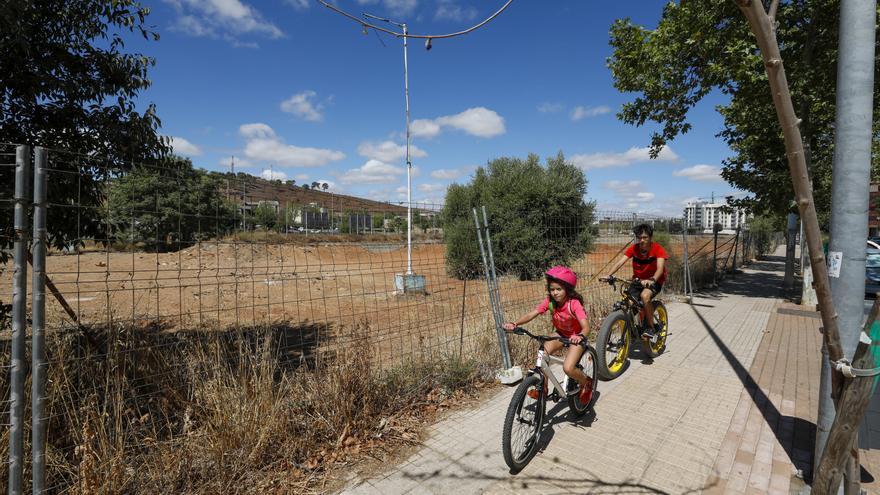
x: 728, y: 408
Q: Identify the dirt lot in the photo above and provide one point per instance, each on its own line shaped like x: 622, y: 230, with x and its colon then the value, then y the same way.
x: 347, y: 288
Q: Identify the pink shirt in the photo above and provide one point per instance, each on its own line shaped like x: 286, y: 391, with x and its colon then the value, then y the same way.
x: 566, y: 324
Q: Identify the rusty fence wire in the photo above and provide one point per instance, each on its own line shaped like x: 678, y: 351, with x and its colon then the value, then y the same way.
x: 156, y: 275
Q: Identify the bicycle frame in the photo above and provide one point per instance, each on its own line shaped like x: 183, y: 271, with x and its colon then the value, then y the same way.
x: 539, y: 368
x: 631, y: 308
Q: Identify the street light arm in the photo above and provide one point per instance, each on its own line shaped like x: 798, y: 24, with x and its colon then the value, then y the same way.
x: 409, y: 35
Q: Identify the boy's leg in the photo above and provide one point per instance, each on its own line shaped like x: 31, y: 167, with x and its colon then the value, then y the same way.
x: 647, y: 295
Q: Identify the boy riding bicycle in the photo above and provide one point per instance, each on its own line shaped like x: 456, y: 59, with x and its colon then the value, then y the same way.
x: 649, y: 271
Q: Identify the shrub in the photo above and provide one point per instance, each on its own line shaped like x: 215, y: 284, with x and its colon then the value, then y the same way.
x: 538, y: 216
x: 168, y: 207
x: 761, y: 230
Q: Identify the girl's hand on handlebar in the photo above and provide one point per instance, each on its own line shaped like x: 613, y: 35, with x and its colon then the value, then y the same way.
x: 508, y: 327
x: 576, y: 338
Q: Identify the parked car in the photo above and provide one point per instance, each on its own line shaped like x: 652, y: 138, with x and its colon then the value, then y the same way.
x: 872, y: 271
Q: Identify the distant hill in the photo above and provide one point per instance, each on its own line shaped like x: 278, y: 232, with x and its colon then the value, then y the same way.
x: 255, y: 189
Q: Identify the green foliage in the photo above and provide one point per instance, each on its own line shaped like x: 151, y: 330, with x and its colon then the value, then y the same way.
x: 705, y: 46
x: 761, y: 230
x: 168, y: 207
x: 67, y: 84
x: 266, y: 216
x: 538, y: 216
x: 398, y: 224
x: 662, y: 238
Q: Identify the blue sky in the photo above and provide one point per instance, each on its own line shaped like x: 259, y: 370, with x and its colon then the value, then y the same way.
x: 291, y: 86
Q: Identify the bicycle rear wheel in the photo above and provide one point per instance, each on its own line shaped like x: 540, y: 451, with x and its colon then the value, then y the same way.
x: 588, y: 365
x: 522, y: 423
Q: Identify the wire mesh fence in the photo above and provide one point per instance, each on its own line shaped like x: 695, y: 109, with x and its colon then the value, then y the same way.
x: 7, y: 239
x: 174, y: 295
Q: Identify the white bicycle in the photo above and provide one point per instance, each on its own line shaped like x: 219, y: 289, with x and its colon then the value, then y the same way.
x: 525, y: 414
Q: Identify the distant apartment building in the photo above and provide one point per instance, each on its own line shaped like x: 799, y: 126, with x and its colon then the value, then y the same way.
x: 704, y: 215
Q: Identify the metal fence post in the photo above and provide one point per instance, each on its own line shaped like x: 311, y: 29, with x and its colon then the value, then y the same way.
x: 38, y: 335
x: 735, y: 245
x: 502, y: 339
x: 715, y: 254
x: 685, y: 274
x: 18, y: 370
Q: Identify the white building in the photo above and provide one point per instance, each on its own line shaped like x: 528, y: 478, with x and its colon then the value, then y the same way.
x: 703, y: 215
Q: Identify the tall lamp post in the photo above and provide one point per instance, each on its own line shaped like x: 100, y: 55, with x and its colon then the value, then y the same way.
x: 409, y: 282
x: 402, y: 25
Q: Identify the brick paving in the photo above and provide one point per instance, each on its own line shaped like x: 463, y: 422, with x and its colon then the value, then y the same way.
x: 768, y: 446
x: 728, y: 408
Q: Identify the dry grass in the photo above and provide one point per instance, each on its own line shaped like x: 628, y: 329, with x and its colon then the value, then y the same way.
x: 226, y: 412
x: 143, y: 409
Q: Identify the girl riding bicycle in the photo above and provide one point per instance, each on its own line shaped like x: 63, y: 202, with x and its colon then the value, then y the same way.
x: 569, y: 320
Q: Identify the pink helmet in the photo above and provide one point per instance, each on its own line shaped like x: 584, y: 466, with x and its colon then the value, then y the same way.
x: 564, y: 274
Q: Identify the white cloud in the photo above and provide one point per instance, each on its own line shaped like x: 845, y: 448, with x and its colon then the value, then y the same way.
x: 478, y: 121
x: 298, y: 4
x: 221, y: 19
x: 580, y: 113
x: 302, y: 105
x: 372, y: 172
x: 270, y: 174
x: 548, y: 107
x: 301, y: 177
x: 395, y: 7
x: 425, y: 128
x: 630, y: 193
x: 589, y: 161
x: 388, y: 151
x: 432, y: 188
x: 256, y: 130
x: 183, y: 147
x: 702, y: 173
x: 449, y: 10
x: 264, y: 145
x: 239, y: 162
x: 446, y: 173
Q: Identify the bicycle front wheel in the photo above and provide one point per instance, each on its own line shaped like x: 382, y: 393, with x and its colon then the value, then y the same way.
x: 613, y: 345
x: 581, y: 402
x: 522, y: 424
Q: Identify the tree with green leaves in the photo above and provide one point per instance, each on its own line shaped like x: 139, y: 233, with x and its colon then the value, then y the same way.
x: 267, y: 216
x: 69, y: 85
x: 168, y: 207
x: 538, y: 216
x: 704, y: 46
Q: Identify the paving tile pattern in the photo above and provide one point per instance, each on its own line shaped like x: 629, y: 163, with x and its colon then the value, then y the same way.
x: 728, y: 408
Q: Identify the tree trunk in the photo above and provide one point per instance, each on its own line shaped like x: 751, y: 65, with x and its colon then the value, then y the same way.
x: 854, y: 401
x: 763, y: 29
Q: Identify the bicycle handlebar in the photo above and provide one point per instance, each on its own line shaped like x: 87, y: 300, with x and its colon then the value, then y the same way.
x: 546, y: 338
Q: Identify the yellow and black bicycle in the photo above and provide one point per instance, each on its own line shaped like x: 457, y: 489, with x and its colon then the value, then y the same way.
x: 623, y: 326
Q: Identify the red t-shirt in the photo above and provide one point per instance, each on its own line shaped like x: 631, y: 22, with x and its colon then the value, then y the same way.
x: 645, y: 266
x: 565, y: 317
